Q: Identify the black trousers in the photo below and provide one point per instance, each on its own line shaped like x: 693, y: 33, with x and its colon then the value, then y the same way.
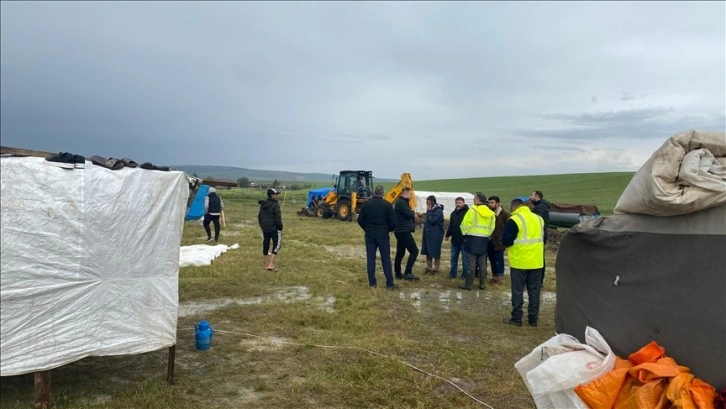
x: 405, y: 241
x: 208, y: 218
x: 531, y: 280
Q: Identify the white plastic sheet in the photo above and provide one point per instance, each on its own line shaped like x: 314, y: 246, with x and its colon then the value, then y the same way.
x: 553, y: 369
x: 90, y: 262
x: 448, y: 199
x: 202, y: 254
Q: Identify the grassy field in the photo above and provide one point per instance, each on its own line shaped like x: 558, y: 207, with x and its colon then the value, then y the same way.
x: 313, y: 335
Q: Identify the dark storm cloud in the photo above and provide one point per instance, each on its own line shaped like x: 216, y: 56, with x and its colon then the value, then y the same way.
x: 282, y: 84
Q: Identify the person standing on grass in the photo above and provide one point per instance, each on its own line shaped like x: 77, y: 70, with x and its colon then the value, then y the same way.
x: 213, y: 207
x: 457, y: 239
x: 524, y: 238
x: 477, y: 226
x: 433, y: 234
x: 542, y: 209
x: 495, y: 247
x: 378, y: 220
x: 405, y: 226
x: 270, y: 219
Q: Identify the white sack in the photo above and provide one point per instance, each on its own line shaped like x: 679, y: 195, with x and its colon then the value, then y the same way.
x: 685, y: 175
x: 90, y: 262
x: 553, y: 369
x: 448, y: 199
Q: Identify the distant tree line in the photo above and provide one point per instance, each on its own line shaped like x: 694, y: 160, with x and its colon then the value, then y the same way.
x: 245, y: 182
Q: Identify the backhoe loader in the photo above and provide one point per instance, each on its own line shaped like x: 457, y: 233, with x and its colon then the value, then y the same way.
x: 352, y: 189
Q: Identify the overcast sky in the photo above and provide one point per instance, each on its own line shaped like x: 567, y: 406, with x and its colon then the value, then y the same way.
x: 440, y: 90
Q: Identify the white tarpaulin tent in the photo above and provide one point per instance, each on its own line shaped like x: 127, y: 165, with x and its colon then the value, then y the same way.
x: 90, y: 262
x: 447, y: 199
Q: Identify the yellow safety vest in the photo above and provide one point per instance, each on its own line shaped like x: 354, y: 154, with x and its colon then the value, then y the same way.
x: 478, y: 221
x: 527, y: 253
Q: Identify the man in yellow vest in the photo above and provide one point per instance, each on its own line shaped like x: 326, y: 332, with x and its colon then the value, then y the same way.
x: 476, y: 227
x: 524, y: 239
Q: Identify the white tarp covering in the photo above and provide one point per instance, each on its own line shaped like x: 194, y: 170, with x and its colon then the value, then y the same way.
x: 447, y: 199
x: 90, y: 262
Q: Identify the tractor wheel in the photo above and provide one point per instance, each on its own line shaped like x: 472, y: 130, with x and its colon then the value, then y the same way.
x: 320, y: 211
x: 344, y: 212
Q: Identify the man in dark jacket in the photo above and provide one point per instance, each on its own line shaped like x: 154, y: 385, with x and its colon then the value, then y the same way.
x: 405, y: 226
x: 457, y: 239
x: 378, y: 221
x: 495, y: 249
x: 270, y: 220
x: 213, y: 207
x: 541, y: 209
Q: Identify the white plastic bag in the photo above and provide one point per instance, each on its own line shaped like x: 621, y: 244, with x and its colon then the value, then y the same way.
x: 553, y: 369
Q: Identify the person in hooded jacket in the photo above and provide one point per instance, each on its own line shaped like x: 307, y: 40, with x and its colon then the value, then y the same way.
x: 477, y: 226
x: 270, y: 219
x: 213, y: 207
x: 433, y: 234
x: 457, y: 239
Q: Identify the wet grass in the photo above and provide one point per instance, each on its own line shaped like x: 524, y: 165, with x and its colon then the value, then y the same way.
x: 342, y: 345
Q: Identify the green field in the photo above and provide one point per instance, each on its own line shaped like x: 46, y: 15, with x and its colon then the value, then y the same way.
x: 313, y: 335
x: 600, y: 189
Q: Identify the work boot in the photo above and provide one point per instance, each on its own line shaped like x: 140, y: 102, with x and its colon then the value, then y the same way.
x: 267, y: 262
x: 410, y: 277
x: 496, y: 281
x: 437, y: 263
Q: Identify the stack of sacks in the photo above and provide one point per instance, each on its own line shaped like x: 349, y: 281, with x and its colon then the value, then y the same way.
x: 563, y: 373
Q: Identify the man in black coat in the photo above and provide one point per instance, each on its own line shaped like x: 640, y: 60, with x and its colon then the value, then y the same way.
x: 405, y: 226
x: 378, y: 221
x: 541, y: 209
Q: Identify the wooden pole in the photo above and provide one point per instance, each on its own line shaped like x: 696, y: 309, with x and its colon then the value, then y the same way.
x: 42, y: 390
x: 170, y: 367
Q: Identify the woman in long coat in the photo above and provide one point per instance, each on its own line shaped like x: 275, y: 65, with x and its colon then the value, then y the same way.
x: 433, y: 235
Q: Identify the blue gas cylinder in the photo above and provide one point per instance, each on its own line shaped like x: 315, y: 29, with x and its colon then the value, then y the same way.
x: 203, y: 334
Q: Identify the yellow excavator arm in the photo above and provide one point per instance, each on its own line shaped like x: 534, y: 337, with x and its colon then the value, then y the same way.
x: 395, y: 192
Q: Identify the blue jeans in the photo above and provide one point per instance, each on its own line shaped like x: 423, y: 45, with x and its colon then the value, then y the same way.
x: 457, y: 249
x: 384, y: 246
x: 531, y: 280
x: 496, y: 260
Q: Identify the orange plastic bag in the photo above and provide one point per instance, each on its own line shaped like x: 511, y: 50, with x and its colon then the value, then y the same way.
x: 648, y: 379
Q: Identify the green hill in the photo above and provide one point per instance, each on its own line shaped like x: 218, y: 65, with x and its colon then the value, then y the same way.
x: 600, y: 189
x: 254, y: 175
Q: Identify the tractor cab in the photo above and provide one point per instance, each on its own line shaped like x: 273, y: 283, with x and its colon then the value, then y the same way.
x: 359, y: 182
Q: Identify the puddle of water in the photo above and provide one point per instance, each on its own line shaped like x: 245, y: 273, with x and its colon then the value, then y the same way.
x: 447, y: 299
x: 285, y: 295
